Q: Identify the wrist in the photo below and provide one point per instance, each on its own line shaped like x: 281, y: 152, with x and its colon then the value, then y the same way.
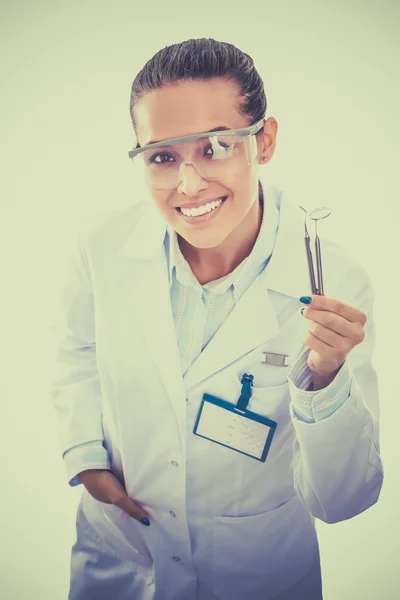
x: 322, y: 381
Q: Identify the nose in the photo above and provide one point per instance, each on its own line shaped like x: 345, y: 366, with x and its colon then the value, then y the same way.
x: 190, y: 182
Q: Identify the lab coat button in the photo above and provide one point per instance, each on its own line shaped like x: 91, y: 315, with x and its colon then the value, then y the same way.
x: 176, y: 558
x: 174, y: 463
x: 171, y: 512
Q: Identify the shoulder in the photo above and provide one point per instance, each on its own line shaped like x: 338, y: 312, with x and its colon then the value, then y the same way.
x: 112, y: 228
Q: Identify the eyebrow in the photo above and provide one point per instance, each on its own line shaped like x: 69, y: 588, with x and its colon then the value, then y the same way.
x: 219, y: 128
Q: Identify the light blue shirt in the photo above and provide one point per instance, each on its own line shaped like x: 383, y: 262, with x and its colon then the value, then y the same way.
x: 199, y: 311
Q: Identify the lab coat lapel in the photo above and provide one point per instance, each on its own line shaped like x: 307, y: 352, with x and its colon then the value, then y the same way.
x: 145, y: 280
x: 251, y: 323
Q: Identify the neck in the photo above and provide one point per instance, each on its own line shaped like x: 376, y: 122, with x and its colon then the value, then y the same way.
x: 209, y: 264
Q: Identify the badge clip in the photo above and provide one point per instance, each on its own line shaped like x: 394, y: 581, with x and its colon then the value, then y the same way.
x: 245, y: 394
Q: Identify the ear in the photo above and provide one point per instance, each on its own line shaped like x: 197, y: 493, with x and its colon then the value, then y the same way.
x: 268, y: 140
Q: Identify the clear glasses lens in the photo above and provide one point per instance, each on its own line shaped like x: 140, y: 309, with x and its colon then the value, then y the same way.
x: 160, y: 167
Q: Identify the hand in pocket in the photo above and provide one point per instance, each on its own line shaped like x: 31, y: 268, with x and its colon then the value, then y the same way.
x: 104, y: 486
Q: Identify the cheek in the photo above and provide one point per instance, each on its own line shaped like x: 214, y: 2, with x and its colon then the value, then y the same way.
x: 244, y: 182
x: 244, y: 189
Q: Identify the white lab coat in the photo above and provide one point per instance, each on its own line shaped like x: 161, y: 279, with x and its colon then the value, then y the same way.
x: 243, y: 527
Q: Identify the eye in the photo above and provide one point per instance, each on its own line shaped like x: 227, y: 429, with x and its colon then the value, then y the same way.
x: 221, y: 146
x: 152, y: 159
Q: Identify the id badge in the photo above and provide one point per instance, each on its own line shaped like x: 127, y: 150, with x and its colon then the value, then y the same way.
x: 235, y: 427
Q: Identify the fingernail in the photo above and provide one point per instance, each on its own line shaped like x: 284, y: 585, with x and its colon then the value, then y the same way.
x: 303, y: 309
x: 145, y: 521
x: 305, y: 299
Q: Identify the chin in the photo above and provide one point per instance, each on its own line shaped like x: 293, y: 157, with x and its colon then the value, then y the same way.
x: 206, y: 239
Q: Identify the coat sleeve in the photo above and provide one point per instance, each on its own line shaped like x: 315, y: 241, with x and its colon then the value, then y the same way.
x: 309, y: 405
x: 75, y: 386
x: 338, y: 471
x: 90, y: 455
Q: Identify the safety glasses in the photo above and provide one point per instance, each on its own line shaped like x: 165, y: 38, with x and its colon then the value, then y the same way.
x: 161, y: 164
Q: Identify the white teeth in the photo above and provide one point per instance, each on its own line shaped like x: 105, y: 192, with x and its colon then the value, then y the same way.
x: 201, y: 210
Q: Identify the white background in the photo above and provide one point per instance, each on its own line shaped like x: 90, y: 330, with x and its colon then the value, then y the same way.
x: 331, y: 74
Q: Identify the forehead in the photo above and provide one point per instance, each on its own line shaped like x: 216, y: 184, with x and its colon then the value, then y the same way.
x: 188, y: 107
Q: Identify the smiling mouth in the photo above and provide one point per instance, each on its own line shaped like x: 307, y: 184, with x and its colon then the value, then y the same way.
x: 179, y: 209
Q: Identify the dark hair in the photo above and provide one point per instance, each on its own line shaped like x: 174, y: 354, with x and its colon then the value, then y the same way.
x: 203, y: 58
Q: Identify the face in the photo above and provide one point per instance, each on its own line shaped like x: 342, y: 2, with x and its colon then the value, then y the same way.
x: 190, y: 107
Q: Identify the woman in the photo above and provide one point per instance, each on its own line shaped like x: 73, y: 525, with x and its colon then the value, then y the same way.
x: 207, y: 417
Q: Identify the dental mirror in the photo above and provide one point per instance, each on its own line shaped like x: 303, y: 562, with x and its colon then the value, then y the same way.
x: 316, y: 215
x: 319, y: 213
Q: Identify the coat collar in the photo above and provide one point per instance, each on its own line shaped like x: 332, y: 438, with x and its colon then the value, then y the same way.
x: 287, y: 270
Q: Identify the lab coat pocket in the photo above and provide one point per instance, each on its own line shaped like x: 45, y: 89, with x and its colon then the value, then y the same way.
x: 269, y: 401
x: 264, y: 552
x: 118, y: 529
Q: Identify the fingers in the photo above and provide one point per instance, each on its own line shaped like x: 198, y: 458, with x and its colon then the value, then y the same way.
x: 350, y: 313
x: 324, y: 321
x: 133, y: 509
x: 104, y: 486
